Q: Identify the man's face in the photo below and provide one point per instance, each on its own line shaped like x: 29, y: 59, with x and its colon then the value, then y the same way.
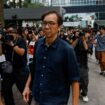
x: 26, y: 32
x: 69, y: 32
x: 11, y: 33
x: 61, y: 33
x: 50, y: 26
x: 41, y: 33
x: 87, y: 35
x: 102, y: 31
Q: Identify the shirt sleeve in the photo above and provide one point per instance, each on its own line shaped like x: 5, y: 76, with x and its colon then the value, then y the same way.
x: 21, y: 43
x: 72, y: 66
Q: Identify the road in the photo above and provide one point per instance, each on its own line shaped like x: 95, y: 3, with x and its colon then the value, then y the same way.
x: 96, y: 91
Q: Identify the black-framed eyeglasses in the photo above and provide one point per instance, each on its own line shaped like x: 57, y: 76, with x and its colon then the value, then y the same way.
x: 49, y: 23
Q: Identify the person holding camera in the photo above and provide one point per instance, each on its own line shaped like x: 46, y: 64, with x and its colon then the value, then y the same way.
x: 2, y: 59
x: 2, y: 56
x: 81, y: 47
x: 16, y: 53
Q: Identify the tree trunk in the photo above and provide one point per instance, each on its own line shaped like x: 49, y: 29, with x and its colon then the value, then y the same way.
x: 1, y: 13
x: 14, y: 4
x: 20, y: 4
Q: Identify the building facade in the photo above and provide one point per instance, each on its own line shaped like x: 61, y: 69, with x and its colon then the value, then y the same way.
x: 96, y: 7
x: 71, y: 2
x: 45, y: 2
x: 79, y: 6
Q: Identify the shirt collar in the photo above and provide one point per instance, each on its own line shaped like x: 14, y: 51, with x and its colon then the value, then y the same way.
x: 53, y: 45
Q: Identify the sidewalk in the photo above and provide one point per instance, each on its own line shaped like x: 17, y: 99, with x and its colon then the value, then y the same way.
x: 96, y: 91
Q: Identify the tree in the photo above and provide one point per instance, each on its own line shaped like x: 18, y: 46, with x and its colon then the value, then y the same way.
x: 35, y: 5
x: 19, y: 4
x: 1, y: 13
x: 27, y: 4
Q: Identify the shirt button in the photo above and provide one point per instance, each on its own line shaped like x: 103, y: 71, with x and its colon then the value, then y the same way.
x: 40, y: 92
x: 40, y: 84
x: 43, y: 66
x: 42, y: 75
x: 44, y: 57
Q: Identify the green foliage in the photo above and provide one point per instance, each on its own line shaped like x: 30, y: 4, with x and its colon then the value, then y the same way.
x: 66, y: 18
x: 73, y: 18
x: 25, y: 4
x: 32, y: 5
x: 1, y: 13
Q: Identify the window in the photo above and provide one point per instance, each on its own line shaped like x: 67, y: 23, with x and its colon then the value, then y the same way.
x: 78, y: 2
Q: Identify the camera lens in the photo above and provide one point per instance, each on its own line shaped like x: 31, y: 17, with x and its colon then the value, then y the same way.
x: 8, y: 38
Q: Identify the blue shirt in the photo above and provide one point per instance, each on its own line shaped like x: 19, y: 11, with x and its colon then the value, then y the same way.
x: 100, y: 43
x: 55, y: 69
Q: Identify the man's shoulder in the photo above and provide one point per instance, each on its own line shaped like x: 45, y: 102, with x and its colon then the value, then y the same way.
x: 65, y: 44
x: 40, y: 41
x: 20, y: 39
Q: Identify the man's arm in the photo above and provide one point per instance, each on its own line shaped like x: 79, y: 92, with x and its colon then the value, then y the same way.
x: 85, y: 43
x: 75, y: 42
x: 26, y: 92
x: 1, y: 51
x: 18, y: 50
x: 75, y: 93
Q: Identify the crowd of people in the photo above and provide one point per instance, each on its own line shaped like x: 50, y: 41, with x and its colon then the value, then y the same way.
x: 48, y: 61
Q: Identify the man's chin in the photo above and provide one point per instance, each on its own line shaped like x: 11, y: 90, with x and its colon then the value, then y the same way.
x: 47, y: 35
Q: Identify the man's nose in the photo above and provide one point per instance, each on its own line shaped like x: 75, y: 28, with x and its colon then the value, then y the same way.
x: 47, y: 25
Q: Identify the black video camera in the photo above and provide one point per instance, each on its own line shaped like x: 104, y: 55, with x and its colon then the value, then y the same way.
x: 8, y: 38
x: 81, y: 34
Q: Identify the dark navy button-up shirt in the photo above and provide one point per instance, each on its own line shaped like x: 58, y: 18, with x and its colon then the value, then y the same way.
x: 55, y: 69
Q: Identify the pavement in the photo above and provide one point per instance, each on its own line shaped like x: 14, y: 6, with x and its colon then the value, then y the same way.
x: 96, y: 90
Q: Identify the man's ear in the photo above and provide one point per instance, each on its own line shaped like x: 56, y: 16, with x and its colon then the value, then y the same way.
x: 59, y: 28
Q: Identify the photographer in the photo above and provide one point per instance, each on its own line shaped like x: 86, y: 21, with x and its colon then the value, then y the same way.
x: 2, y: 56
x: 81, y: 47
x: 2, y: 59
x: 15, y: 52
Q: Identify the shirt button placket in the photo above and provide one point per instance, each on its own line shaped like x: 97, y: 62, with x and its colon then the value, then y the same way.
x: 42, y: 75
x: 40, y: 84
x: 43, y: 66
x: 40, y: 92
x: 44, y: 57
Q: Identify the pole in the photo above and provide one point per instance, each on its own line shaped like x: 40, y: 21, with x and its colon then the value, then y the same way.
x: 1, y: 13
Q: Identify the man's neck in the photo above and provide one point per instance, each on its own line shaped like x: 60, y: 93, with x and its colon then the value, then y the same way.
x: 103, y: 35
x: 49, y: 41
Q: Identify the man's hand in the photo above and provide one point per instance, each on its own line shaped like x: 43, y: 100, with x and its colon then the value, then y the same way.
x: 0, y: 36
x: 10, y: 43
x: 26, y: 94
x: 83, y: 38
x: 75, y: 93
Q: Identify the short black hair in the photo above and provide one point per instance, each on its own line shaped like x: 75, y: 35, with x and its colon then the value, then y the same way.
x: 102, y: 27
x: 60, y: 20
x: 11, y: 25
x: 86, y: 30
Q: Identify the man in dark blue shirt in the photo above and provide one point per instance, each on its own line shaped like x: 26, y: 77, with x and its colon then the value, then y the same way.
x: 55, y: 67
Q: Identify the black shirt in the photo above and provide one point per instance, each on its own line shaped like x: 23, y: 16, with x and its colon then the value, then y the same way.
x: 18, y: 60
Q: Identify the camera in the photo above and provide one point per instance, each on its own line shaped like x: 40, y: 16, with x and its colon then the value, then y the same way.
x: 8, y: 38
x: 30, y: 32
x: 81, y: 34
